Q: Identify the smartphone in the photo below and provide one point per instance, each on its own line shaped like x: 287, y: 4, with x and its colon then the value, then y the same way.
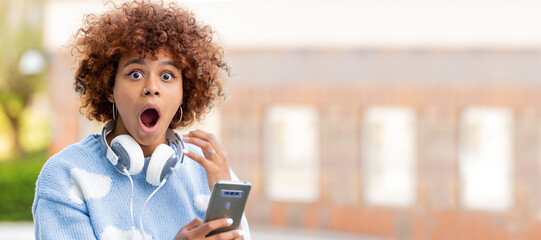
x: 227, y: 200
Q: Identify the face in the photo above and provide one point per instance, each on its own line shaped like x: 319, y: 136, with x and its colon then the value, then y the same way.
x: 148, y: 94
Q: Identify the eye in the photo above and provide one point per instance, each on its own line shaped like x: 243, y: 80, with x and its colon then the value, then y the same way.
x: 135, y: 75
x: 167, y: 76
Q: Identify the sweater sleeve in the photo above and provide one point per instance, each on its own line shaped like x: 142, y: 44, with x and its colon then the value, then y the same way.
x: 56, y: 220
x: 59, y: 209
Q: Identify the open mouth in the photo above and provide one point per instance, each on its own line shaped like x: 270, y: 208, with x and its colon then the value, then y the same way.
x: 150, y: 117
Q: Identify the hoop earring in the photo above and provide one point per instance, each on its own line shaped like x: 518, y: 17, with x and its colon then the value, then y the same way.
x: 114, y: 112
x: 179, y: 119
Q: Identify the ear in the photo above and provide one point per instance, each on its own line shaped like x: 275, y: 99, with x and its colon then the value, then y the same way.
x: 111, y: 98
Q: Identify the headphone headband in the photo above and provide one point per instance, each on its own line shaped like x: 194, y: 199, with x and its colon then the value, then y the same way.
x: 171, y: 136
x: 107, y: 151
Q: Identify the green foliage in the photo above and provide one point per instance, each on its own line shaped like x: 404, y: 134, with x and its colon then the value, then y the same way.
x: 20, y: 24
x: 35, y: 126
x: 17, y: 185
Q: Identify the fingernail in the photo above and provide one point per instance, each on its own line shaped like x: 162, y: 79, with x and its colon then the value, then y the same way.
x: 229, y: 221
x: 240, y: 232
x: 185, y: 151
x: 186, y: 138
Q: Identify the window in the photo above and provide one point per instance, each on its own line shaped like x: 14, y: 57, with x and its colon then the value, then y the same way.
x: 389, y: 153
x: 291, y: 154
x: 485, y: 155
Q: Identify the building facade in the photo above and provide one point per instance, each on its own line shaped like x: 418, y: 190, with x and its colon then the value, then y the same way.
x: 401, y: 144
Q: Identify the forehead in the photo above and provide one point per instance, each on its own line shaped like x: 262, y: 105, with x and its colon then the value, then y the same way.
x: 160, y: 55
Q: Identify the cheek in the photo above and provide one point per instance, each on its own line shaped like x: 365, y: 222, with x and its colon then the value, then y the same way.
x: 178, y: 95
x: 175, y: 102
x: 181, y: 90
x: 123, y: 99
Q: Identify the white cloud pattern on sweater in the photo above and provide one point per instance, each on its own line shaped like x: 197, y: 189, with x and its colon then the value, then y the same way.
x: 201, y: 202
x: 87, y: 185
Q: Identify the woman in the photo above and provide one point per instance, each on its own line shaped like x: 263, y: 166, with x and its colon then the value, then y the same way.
x: 143, y: 69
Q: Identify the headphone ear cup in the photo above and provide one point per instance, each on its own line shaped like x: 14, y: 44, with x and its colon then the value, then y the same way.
x: 129, y: 154
x: 162, y: 160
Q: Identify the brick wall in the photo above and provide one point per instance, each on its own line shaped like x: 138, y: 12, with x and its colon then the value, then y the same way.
x: 437, y: 213
x: 341, y: 84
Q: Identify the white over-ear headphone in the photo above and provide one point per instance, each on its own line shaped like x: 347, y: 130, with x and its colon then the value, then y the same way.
x: 125, y: 153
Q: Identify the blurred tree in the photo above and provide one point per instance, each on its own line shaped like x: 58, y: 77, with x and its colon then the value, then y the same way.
x: 21, y: 60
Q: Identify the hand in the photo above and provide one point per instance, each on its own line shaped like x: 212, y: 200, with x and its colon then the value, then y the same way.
x: 196, y: 229
x: 214, y: 160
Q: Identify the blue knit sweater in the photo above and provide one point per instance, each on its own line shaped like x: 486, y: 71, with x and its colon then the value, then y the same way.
x: 80, y: 195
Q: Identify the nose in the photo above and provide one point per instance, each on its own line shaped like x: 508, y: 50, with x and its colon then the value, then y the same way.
x: 151, y: 87
x: 146, y: 92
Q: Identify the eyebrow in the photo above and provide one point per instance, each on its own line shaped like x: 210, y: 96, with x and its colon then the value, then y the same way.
x: 135, y: 60
x: 164, y: 63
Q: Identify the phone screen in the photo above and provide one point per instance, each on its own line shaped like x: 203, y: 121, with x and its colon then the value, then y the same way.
x: 228, y: 200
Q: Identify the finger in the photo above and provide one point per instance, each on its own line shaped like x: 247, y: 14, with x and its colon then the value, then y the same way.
x: 241, y: 233
x: 196, y: 222
x: 197, y: 158
x: 210, y: 226
x: 233, y: 234
x: 208, y: 150
x: 209, y: 137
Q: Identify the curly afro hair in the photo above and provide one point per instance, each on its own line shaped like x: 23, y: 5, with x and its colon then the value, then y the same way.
x: 144, y: 28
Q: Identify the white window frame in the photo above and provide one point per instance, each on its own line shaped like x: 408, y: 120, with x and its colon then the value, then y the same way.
x: 486, y: 151
x: 291, y: 154
x: 389, y: 156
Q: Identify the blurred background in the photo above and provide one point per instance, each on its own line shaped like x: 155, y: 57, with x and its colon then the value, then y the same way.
x: 352, y: 119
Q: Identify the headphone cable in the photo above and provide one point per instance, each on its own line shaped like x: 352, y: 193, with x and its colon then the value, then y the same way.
x: 145, y: 204
x: 131, y: 200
